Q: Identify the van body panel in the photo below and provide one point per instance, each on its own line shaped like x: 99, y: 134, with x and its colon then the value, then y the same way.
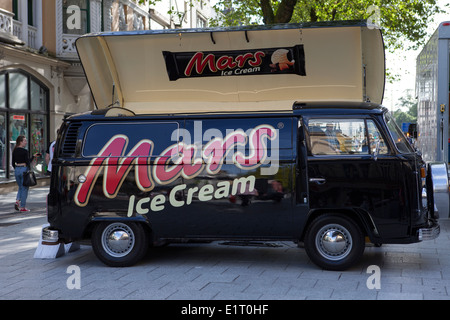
x: 248, y: 185
x: 130, y: 173
x: 319, y: 174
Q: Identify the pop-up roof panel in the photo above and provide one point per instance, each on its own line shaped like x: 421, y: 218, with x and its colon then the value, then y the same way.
x: 234, y: 69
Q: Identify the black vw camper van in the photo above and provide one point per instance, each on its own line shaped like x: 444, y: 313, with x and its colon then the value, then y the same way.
x: 258, y: 133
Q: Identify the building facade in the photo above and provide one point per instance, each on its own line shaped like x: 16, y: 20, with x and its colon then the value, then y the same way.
x: 41, y: 78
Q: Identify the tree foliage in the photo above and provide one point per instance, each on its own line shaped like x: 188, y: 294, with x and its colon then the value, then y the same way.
x: 406, y: 109
x: 400, y: 20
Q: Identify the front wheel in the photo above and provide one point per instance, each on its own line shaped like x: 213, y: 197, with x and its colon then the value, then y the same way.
x: 119, y: 244
x: 334, y: 242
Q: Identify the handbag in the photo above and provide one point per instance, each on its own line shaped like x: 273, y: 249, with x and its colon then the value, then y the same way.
x: 29, y: 178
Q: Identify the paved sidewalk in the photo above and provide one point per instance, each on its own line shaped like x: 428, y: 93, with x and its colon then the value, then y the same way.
x: 36, y: 201
x: 213, y: 271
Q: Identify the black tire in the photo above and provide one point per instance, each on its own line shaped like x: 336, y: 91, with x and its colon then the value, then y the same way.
x: 430, y: 192
x: 334, y: 242
x: 119, y: 244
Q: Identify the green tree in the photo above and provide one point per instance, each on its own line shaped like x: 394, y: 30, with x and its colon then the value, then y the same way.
x: 407, y: 110
x: 400, y: 20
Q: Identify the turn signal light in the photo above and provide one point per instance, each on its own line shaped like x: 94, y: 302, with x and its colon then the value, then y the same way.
x: 423, y: 173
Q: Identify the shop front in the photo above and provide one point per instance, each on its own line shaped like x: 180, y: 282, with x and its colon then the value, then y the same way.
x: 24, y: 110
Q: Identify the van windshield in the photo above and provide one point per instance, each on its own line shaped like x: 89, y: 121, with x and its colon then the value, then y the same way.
x: 397, y: 135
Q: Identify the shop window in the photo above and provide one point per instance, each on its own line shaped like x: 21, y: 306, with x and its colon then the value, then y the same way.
x: 3, y: 153
x: 23, y: 111
x: 18, y: 126
x: 38, y: 97
x: 18, y: 91
x: 2, y: 91
x: 38, y: 140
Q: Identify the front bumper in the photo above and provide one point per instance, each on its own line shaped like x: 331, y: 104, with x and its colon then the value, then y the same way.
x: 50, y: 236
x: 438, y: 177
x: 430, y: 233
x: 436, y: 198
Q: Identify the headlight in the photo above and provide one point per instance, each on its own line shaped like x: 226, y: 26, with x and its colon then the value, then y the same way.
x: 424, y: 197
x: 81, y: 178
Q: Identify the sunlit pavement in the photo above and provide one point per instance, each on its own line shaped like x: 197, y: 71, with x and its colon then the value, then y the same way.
x: 215, y: 271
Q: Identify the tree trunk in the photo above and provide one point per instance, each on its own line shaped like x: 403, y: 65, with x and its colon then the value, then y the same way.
x: 267, y: 11
x: 313, y: 15
x: 285, y: 11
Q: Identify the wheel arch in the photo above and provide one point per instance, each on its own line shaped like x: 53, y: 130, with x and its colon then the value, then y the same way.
x: 87, y: 234
x: 360, y: 217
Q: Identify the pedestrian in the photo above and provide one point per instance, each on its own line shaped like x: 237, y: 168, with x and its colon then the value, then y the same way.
x: 21, y: 161
x: 49, y: 156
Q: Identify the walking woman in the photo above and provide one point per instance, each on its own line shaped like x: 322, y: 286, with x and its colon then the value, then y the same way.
x: 21, y: 161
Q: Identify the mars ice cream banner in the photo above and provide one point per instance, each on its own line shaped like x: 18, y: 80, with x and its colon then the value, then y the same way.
x: 235, y: 63
x: 177, y: 160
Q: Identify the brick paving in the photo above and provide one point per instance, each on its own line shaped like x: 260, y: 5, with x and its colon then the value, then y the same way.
x: 214, y: 271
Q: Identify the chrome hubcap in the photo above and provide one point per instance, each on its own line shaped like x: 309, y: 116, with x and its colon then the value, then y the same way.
x: 118, y: 240
x: 334, y: 242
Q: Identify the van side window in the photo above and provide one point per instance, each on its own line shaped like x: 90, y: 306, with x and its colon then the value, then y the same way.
x: 376, y: 139
x: 337, y: 136
x: 397, y: 135
x: 100, y: 135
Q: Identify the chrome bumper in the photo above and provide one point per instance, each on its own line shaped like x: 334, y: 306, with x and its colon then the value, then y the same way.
x: 439, y: 177
x: 429, y: 233
x: 50, y: 236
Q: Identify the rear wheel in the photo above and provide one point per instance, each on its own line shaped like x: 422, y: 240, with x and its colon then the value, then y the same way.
x: 119, y: 244
x: 334, y: 242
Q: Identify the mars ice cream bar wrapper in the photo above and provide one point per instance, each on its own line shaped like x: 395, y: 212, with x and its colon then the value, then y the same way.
x: 286, y: 60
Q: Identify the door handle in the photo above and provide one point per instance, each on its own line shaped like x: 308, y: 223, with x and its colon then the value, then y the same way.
x: 318, y: 180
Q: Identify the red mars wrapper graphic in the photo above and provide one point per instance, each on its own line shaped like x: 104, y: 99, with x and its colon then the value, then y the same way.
x: 286, y: 60
x: 177, y: 160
